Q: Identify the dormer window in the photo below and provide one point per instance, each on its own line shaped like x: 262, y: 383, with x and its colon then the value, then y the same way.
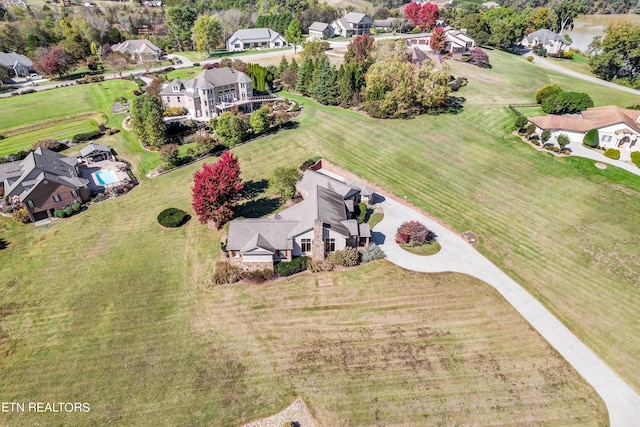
x: 30, y: 203
x: 176, y: 88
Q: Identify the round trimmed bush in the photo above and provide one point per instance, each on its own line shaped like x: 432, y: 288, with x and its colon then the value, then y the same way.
x: 173, y: 217
x: 76, y: 206
x: 635, y: 158
x: 591, y: 139
x: 68, y: 210
x: 612, y: 153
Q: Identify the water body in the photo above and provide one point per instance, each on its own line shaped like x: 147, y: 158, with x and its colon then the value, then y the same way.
x: 586, y: 27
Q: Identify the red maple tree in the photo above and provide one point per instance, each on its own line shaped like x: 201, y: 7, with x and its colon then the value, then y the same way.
x: 58, y: 61
x: 438, y: 40
x: 215, y: 188
x: 423, y: 15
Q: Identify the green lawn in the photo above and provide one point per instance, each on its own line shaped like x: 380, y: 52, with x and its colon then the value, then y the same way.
x: 63, y: 102
x: 423, y: 250
x: 579, y: 63
x: 16, y: 143
x: 34, y: 107
x: 136, y: 329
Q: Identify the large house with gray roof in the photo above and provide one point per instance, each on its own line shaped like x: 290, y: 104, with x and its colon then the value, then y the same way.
x: 210, y: 93
x: 138, y: 50
x: 255, y: 38
x: 43, y: 182
x: 322, y: 223
x: 352, y: 24
x: 20, y: 64
x: 552, y: 42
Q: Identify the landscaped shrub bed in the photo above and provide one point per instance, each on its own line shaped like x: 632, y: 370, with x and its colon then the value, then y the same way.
x: 225, y: 272
x: 297, y: 265
x: 257, y: 276
x: 173, y: 217
x: 612, y: 153
x: 347, y: 257
x: 67, y: 211
x: 370, y: 253
x: 635, y: 158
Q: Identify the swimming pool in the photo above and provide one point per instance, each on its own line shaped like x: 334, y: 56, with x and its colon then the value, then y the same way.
x: 106, y: 176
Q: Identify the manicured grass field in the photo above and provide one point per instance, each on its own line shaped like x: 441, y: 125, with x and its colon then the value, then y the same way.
x: 423, y: 250
x: 34, y: 107
x: 16, y: 143
x: 579, y: 64
x: 109, y: 308
x: 135, y: 329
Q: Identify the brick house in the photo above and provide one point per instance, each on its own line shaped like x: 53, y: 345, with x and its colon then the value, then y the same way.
x: 43, y: 182
x: 322, y: 223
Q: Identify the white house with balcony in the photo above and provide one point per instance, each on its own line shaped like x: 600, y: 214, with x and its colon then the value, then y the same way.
x: 210, y: 93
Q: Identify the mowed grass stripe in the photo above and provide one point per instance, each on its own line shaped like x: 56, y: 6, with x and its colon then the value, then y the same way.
x: 24, y: 141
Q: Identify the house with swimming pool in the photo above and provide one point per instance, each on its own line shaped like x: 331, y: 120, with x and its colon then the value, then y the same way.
x: 43, y: 182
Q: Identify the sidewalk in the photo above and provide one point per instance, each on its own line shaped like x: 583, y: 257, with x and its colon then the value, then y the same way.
x: 456, y: 255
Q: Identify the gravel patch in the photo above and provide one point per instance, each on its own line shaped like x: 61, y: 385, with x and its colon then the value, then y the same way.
x: 297, y: 412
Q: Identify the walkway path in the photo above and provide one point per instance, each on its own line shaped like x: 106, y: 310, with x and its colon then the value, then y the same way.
x: 623, y: 403
x: 580, y: 150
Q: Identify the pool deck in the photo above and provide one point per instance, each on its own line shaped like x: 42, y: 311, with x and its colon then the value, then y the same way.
x: 88, y: 172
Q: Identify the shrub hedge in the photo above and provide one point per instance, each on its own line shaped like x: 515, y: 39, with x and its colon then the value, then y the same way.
x: 296, y: 265
x: 87, y: 136
x: 612, y: 153
x: 635, y: 158
x: 172, y: 217
x: 257, y: 276
x: 362, y: 212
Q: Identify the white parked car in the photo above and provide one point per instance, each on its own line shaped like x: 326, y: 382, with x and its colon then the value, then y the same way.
x: 35, y: 77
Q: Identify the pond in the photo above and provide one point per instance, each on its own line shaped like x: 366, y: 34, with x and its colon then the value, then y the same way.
x: 586, y: 27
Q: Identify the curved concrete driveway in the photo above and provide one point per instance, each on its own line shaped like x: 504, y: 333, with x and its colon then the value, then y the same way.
x: 623, y: 403
x: 580, y: 150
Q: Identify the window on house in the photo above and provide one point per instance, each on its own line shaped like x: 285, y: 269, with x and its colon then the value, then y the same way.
x: 237, y: 45
x: 178, y: 99
x: 176, y: 88
x: 330, y: 245
x: 74, y: 193
x: 305, y: 245
x: 56, y: 198
x: 30, y: 203
x: 606, y: 138
x: 168, y: 99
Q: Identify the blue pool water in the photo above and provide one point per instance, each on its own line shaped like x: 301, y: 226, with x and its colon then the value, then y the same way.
x: 106, y: 176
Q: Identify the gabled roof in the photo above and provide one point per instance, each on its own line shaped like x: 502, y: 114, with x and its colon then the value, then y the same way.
x: 591, y: 118
x: 312, y: 179
x: 209, y: 79
x: 544, y: 36
x: 255, y: 34
x: 92, y: 148
x: 318, y: 26
x: 40, y: 165
x: 10, y: 60
x: 357, y: 18
x: 136, y: 46
x: 267, y: 234
x: 322, y: 203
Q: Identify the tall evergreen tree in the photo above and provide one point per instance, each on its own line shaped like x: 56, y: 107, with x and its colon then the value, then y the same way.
x: 305, y: 74
x: 155, y: 127
x: 324, y: 82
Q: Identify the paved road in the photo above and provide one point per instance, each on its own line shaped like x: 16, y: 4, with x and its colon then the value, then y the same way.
x: 623, y: 403
x: 552, y: 66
